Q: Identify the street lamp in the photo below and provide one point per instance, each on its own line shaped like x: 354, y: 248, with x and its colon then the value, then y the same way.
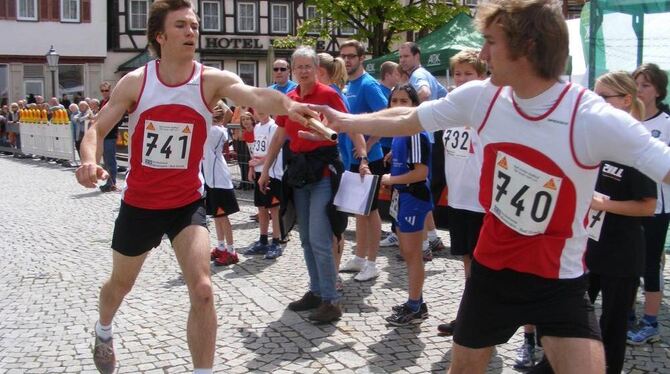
x: 52, y: 61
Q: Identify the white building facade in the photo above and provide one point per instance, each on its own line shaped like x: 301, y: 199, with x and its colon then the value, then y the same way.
x: 77, y: 30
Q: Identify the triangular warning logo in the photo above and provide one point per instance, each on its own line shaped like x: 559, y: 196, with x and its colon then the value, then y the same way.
x: 550, y: 185
x: 186, y: 130
x: 220, y: 211
x: 503, y: 163
x: 275, y: 200
x: 151, y: 126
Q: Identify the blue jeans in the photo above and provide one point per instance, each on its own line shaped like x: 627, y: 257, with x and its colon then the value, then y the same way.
x: 316, y: 237
x: 109, y: 156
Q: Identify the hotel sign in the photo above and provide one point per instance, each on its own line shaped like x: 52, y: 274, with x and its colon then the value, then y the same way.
x: 233, y: 43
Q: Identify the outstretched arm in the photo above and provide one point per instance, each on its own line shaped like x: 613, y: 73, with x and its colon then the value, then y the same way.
x: 400, y: 121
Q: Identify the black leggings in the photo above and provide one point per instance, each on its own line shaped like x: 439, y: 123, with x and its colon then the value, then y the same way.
x: 655, y: 229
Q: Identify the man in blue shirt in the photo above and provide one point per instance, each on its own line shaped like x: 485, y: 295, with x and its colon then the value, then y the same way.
x: 421, y: 79
x: 365, y: 95
x: 280, y: 72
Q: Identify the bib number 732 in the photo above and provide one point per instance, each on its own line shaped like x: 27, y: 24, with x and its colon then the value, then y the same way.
x: 166, y: 145
x: 524, y: 198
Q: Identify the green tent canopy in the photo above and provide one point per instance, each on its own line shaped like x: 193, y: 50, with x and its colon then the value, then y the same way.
x: 438, y: 46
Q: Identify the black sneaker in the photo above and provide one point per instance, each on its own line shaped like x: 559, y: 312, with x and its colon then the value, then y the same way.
x: 308, y: 301
x: 446, y: 329
x: 326, y: 312
x: 406, y: 317
x: 423, y: 309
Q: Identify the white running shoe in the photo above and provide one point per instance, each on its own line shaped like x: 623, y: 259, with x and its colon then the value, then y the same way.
x: 369, y: 272
x: 354, y: 265
x: 390, y: 241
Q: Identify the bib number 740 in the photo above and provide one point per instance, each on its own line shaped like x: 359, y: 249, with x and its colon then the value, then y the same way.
x: 524, y: 198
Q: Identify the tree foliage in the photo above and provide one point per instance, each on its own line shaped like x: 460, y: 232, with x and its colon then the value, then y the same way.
x: 377, y: 21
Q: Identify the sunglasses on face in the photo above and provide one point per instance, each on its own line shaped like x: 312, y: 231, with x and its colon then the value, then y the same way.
x: 279, y: 69
x: 104, y: 90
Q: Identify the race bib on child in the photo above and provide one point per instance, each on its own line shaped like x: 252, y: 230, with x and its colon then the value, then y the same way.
x: 166, y: 145
x: 596, y: 218
x: 457, y: 142
x: 393, y: 207
x: 524, y: 198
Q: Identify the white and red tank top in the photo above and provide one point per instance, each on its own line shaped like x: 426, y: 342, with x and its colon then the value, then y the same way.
x: 536, y: 191
x: 168, y: 128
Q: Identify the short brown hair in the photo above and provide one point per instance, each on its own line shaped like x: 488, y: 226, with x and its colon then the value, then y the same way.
x: 360, y: 50
x: 156, y: 20
x: 387, y: 68
x: 535, y: 29
x: 657, y: 77
x: 469, y: 57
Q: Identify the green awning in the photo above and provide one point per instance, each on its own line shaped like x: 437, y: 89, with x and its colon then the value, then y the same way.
x: 136, y: 62
x: 439, y: 46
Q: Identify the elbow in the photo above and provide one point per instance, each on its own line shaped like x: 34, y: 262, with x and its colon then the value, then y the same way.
x: 648, y: 207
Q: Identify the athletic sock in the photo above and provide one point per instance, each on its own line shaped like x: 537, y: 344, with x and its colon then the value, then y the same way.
x: 432, y: 235
x: 102, y: 331
x: 651, y: 320
x: 414, y: 305
x: 230, y: 248
x: 203, y: 371
x: 371, y: 264
x: 222, y: 245
x: 425, y: 245
x: 529, y: 338
x: 264, y: 239
x: 359, y: 260
x: 276, y: 241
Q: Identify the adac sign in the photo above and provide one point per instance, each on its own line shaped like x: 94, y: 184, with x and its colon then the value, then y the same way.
x: 434, y: 60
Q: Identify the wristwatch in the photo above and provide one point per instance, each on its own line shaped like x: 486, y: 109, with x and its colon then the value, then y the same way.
x: 364, y: 158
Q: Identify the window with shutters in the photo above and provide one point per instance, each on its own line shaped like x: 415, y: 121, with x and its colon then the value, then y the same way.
x: 26, y: 10
x: 211, y: 16
x: 138, y: 14
x: 69, y: 11
x: 246, y: 17
x: 312, y: 13
x: 247, y: 71
x: 280, y: 18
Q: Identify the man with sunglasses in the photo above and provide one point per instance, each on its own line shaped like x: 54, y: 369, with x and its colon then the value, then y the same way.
x: 280, y: 72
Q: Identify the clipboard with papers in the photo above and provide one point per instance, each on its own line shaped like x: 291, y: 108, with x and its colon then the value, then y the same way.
x: 356, y: 195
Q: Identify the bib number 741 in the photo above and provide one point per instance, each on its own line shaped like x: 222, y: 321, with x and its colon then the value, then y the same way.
x: 524, y: 198
x: 166, y: 145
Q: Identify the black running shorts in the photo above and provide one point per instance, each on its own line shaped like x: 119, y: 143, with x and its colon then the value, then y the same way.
x: 464, y: 227
x: 138, y: 230
x: 496, y: 303
x: 272, y: 196
x: 221, y: 202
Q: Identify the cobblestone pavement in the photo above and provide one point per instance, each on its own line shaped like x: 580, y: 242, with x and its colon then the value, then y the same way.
x: 55, y: 255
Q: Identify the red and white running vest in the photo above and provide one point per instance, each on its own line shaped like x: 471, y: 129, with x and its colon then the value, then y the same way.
x: 168, y: 128
x: 535, y: 191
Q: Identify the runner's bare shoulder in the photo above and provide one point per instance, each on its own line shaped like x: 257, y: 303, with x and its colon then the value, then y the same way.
x: 129, y: 87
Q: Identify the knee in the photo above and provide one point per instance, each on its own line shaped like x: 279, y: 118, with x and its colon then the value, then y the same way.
x: 120, y: 287
x: 201, y: 292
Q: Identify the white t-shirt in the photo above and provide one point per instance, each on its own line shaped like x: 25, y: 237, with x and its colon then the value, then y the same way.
x: 601, y: 132
x: 215, y: 168
x: 659, y: 126
x: 263, y: 134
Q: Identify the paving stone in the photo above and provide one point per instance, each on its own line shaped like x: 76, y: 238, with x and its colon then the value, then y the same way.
x: 49, y: 307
